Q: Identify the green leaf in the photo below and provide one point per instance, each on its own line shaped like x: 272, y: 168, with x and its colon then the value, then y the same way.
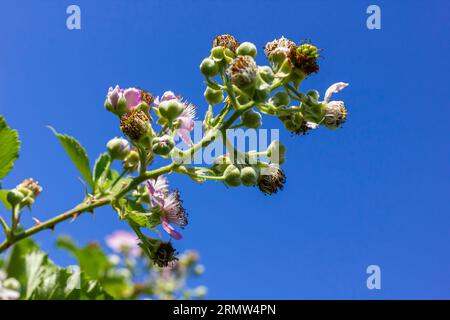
x: 35, y: 271
x: 91, y: 258
x: 3, y: 199
x: 96, y: 265
x: 9, y: 148
x: 77, y: 154
x: 101, y: 164
x: 47, y: 281
x: 15, y: 264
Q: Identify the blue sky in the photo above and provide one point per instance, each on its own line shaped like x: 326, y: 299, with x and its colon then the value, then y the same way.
x: 374, y: 192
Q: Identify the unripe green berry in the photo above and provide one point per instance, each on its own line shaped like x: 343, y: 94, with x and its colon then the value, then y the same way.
x: 209, y: 68
x: 162, y: 145
x: 232, y: 176
x: 212, y: 96
x: 280, y: 99
x: 266, y: 73
x: 170, y: 109
x: 246, y: 49
x: 14, y: 197
x: 249, y: 176
x: 251, y: 119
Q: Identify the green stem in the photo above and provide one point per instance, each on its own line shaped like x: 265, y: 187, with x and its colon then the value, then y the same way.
x: 14, y: 219
x: 300, y: 96
x: 5, y: 227
x: 118, y: 179
x: 183, y: 170
x: 53, y: 221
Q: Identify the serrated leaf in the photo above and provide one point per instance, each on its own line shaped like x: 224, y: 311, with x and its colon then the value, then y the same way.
x: 9, y: 148
x: 101, y: 164
x: 77, y: 154
x: 3, y: 199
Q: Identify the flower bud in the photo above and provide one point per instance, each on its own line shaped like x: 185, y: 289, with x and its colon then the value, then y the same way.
x: 272, y: 179
x: 226, y: 41
x: 280, y: 99
x: 209, y: 68
x: 243, y: 71
x: 251, y: 119
x: 246, y: 49
x: 232, y: 176
x: 296, y: 123
x: 249, y: 176
x: 119, y: 101
x: 221, y: 163
x: 217, y: 54
x: 314, y: 94
x: 115, y: 101
x: 170, y: 109
x: 335, y: 114
x: 261, y: 92
x: 118, y: 148
x: 276, y: 152
x: 266, y: 73
x: 131, y: 162
x: 212, y: 96
x: 162, y: 145
x: 14, y: 197
x: 135, y: 124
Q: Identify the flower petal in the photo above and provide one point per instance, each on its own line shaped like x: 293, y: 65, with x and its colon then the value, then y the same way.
x: 185, y: 136
x: 114, y: 95
x: 170, y: 230
x: 334, y: 88
x: 133, y: 97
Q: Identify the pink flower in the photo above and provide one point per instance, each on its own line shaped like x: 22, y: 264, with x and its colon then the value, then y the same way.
x: 123, y: 242
x: 120, y: 101
x: 169, y: 205
x: 185, y: 119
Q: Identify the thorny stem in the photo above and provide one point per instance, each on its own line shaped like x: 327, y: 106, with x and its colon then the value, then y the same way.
x: 49, y: 224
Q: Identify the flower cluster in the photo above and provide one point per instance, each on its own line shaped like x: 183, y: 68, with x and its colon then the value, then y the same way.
x: 245, y: 91
x: 238, y: 93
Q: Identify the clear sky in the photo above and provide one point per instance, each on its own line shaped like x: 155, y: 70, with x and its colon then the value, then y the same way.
x: 374, y: 192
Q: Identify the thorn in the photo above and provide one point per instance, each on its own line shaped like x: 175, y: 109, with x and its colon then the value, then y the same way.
x: 75, y: 216
x: 36, y: 221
